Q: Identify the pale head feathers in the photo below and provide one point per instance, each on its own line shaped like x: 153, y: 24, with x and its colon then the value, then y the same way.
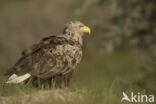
x: 74, y: 31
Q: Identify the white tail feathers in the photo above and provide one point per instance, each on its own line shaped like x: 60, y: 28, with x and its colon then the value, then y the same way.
x: 17, y: 79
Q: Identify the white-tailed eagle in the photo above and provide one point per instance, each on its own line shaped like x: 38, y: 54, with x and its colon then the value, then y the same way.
x: 54, y: 57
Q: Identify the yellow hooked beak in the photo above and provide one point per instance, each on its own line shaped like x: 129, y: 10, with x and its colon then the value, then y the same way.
x: 85, y: 29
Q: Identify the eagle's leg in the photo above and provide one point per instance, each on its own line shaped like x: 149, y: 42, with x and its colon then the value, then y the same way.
x: 62, y: 80
x: 58, y: 81
x: 68, y: 78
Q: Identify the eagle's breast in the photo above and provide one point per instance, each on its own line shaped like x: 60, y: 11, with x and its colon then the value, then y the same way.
x: 58, y: 57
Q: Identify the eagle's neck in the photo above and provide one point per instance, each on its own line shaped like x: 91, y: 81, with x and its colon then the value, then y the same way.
x: 76, y: 37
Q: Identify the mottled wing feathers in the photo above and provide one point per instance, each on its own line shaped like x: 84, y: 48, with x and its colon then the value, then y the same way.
x: 54, y: 55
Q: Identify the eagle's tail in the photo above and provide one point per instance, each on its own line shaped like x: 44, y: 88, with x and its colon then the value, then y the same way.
x: 17, y: 79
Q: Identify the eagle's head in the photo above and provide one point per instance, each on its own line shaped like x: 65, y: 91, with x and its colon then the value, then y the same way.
x: 76, y: 27
x: 75, y: 30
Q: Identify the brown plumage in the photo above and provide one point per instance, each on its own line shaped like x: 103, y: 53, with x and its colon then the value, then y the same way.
x: 53, y: 59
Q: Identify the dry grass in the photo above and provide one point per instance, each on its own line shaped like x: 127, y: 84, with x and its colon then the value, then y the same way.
x: 57, y: 96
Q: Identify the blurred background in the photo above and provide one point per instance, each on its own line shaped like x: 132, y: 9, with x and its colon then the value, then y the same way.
x: 119, y: 55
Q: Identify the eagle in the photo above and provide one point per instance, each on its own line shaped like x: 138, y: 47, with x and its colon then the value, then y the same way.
x: 53, y: 59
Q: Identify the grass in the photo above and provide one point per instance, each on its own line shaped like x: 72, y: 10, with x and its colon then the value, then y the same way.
x: 100, y: 79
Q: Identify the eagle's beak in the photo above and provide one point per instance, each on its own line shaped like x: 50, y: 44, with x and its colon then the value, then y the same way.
x: 85, y: 29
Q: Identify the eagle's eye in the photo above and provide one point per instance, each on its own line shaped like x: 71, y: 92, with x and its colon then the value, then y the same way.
x: 81, y: 26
